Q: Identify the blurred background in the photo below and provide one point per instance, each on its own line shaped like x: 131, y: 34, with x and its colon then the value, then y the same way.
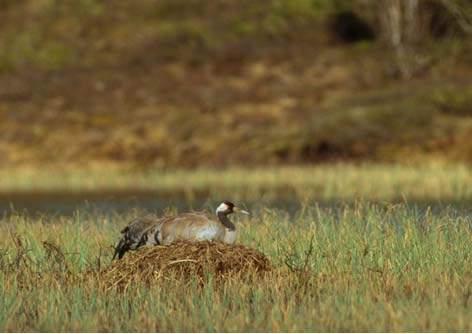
x: 199, y: 82
x: 180, y: 84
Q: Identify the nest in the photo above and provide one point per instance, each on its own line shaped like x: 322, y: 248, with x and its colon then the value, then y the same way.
x: 185, y: 261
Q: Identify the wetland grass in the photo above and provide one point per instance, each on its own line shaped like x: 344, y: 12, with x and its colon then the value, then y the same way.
x: 362, y: 267
x: 325, y: 182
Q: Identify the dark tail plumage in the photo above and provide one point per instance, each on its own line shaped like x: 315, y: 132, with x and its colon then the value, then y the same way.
x: 121, y: 248
x: 131, y: 240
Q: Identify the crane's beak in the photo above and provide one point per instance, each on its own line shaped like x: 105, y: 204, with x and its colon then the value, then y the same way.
x: 239, y: 210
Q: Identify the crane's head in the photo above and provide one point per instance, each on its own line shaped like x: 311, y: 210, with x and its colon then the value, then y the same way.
x: 226, y: 207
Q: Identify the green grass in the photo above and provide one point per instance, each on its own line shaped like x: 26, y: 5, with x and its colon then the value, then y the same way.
x: 370, y: 268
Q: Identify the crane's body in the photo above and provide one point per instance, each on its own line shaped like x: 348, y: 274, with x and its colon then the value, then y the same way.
x: 192, y: 226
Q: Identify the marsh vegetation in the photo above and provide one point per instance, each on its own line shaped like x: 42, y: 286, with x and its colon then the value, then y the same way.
x: 355, y: 266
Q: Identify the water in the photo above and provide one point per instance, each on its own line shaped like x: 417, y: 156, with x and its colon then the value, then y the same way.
x: 103, y: 202
x: 64, y: 203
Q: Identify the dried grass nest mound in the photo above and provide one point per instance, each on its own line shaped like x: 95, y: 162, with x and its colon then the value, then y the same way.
x: 184, y: 260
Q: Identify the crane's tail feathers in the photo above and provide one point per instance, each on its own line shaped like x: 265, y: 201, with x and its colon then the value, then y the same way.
x: 121, y: 248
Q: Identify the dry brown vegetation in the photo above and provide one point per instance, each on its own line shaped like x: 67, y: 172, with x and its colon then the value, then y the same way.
x: 181, y: 83
x: 185, y: 261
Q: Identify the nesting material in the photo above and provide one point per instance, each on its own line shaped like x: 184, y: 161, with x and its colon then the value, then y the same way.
x: 185, y: 261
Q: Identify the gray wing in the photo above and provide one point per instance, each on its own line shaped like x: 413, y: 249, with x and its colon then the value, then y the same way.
x: 136, y: 234
x: 189, y: 226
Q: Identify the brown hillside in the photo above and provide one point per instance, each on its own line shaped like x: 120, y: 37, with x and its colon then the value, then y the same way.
x: 195, y: 82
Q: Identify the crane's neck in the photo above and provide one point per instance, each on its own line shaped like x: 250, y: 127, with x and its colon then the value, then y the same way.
x: 225, y: 221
